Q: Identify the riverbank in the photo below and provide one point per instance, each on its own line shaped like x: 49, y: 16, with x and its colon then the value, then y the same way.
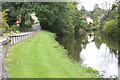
x: 42, y: 57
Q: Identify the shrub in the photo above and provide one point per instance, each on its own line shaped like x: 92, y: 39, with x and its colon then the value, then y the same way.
x: 2, y: 30
x: 9, y: 30
x: 28, y: 24
x: 94, y: 28
x: 15, y: 28
x: 111, y: 27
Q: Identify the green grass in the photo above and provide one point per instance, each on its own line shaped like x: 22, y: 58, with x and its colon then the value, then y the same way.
x: 42, y: 57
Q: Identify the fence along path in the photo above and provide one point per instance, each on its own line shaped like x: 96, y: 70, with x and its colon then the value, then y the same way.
x: 12, y: 40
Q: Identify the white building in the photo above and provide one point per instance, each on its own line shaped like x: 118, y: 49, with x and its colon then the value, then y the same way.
x: 89, y: 20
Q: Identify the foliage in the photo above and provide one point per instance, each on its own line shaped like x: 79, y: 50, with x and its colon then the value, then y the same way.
x: 112, y: 42
x: 111, y: 21
x: 78, y: 21
x: 92, y: 14
x: 2, y: 30
x: 110, y: 14
x: 15, y: 10
x: 28, y: 24
x: 118, y: 13
x: 9, y: 30
x: 94, y: 28
x: 84, y: 25
x: 96, y: 6
x: 15, y: 28
x: 58, y: 17
x: 29, y: 18
x: 84, y: 11
x: 12, y: 15
x: 111, y: 27
x: 3, y: 20
x: 113, y: 15
x: 82, y: 8
x: 98, y: 12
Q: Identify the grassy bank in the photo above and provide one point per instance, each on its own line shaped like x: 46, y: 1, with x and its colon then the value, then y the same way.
x: 42, y: 57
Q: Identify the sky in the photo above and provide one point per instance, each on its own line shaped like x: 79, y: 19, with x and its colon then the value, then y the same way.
x: 89, y: 4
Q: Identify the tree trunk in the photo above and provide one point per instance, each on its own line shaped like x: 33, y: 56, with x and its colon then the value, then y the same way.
x: 23, y: 23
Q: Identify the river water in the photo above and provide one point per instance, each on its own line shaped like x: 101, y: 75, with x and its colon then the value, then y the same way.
x: 95, y: 50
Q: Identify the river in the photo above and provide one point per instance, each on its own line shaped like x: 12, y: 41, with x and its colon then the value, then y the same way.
x: 95, y: 50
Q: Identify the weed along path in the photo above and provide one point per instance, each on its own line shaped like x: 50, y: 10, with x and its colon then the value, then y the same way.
x: 42, y: 57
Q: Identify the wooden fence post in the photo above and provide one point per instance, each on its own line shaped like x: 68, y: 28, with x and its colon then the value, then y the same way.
x: 3, y: 71
x: 0, y: 61
x: 13, y: 40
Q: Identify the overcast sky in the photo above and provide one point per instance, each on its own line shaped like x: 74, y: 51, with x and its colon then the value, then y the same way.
x: 89, y: 4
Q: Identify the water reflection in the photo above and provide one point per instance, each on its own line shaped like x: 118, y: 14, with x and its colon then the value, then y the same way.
x: 94, y: 49
x: 100, y: 59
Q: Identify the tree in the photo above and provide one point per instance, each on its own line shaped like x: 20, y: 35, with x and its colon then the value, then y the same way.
x: 111, y: 27
x: 16, y: 9
x: 112, y: 14
x: 96, y: 6
x: 98, y: 12
x: 113, y: 7
x: 57, y: 17
x: 118, y: 7
x: 82, y: 8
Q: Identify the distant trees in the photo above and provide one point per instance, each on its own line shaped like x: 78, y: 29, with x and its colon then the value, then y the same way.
x: 97, y: 13
x: 111, y: 22
x: 61, y: 18
x: 96, y: 6
x: 82, y: 8
x: 111, y: 27
x: 56, y: 17
x: 84, y: 11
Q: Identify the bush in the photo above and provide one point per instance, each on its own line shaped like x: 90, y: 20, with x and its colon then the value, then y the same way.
x: 2, y: 30
x: 94, y: 28
x: 15, y: 28
x: 111, y: 27
x: 9, y: 30
x: 28, y: 24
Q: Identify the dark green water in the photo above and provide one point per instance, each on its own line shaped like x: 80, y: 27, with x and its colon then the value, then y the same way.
x: 94, y: 50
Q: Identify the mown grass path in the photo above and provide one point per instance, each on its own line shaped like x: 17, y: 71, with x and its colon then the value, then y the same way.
x: 39, y: 57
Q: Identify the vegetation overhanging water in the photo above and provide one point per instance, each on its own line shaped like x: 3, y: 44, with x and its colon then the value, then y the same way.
x: 93, y: 49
